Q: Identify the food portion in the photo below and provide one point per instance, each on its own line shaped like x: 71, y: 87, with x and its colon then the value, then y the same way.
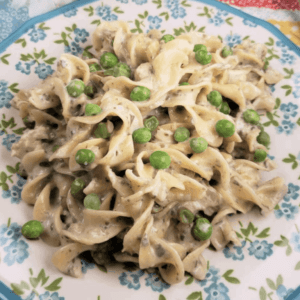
x: 143, y: 152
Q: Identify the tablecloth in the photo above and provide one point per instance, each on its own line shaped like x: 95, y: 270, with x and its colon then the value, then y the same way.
x: 284, y: 14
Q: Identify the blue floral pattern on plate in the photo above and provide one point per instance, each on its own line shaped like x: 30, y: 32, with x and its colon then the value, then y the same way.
x: 292, y: 192
x: 155, y: 283
x: 217, y: 292
x: 287, y: 210
x: 211, y: 276
x: 9, y: 140
x: 236, y: 252
x: 131, y: 279
x: 295, y: 240
x: 260, y: 249
x: 16, y: 252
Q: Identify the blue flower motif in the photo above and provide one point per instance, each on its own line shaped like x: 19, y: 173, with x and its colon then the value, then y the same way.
x: 21, y: 181
x: 271, y: 157
x: 53, y: 296
x: 43, y: 71
x: 217, y: 21
x: 27, y: 69
x: 3, y: 85
x: 74, y: 49
x: 261, y: 250
x: 287, y: 127
x: 232, y: 40
x: 292, y: 191
x: 140, y: 2
x: 131, y: 279
x: 171, y: 4
x: 81, y: 35
x: 14, y: 194
x: 249, y: 23
x: 217, y: 292
x: 222, y: 12
x: 37, y: 35
x: 9, y: 140
x: 295, y: 239
x: 103, y: 11
x: 70, y: 13
x: 110, y: 18
x: 123, y: 1
x: 272, y: 88
x: 296, y: 92
x: 287, y: 210
x: 31, y: 296
x: 211, y: 275
x: 13, y: 232
x: 85, y: 266
x: 155, y: 283
x: 296, y: 78
x: 237, y: 254
x: 154, y: 22
x: 5, y: 98
x: 287, y: 59
x: 289, y: 110
x: 282, y: 45
x: 178, y: 12
x: 282, y: 292
x: 16, y: 252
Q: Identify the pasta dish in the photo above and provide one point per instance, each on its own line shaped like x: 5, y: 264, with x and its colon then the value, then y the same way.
x: 142, y: 151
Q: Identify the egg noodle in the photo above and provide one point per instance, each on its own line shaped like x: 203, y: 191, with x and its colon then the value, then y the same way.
x: 137, y: 220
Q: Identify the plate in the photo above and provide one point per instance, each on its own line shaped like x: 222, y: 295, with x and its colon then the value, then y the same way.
x: 268, y: 263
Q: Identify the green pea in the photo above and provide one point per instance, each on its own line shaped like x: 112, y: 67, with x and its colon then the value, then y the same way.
x: 181, y: 134
x: 160, y: 160
x: 55, y: 148
x: 75, y: 88
x: 226, y: 51
x: 140, y: 93
x: 224, y: 108
x: 167, y: 38
x: 264, y: 139
x: 225, y: 128
x: 184, y: 83
x: 266, y: 65
x: 89, y: 90
x: 200, y: 47
x: 32, y: 229
x: 185, y: 216
x: 77, y: 185
x: 120, y: 69
x: 108, y: 60
x: 203, y: 57
x: 151, y: 123
x: 141, y: 135
x: 94, y: 67
x: 84, y: 156
x: 92, y: 109
x: 198, y: 145
x: 251, y: 116
x: 260, y: 155
x: 215, y: 98
x: 202, y: 230
x: 92, y: 201
x: 101, y: 131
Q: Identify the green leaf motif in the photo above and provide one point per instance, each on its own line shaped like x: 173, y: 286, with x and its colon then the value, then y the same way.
x: 283, y: 243
x: 289, y: 250
x: 290, y: 72
x: 189, y: 281
x: 278, y: 102
x: 227, y: 277
x: 4, y: 60
x: 3, y: 177
x: 250, y: 228
x: 117, y: 10
x: 161, y: 297
x: 183, y: 3
x: 13, y: 88
x: 102, y: 268
x: 239, y: 235
x: 228, y: 21
x: 8, y: 222
x: 41, y: 26
x: 178, y: 31
x: 40, y: 278
x: 271, y: 284
x: 19, y: 131
x: 90, y: 10
x: 97, y: 22
x: 11, y: 169
x: 279, y: 281
x: 165, y: 15
x: 158, y: 2
x: 264, y: 233
x: 262, y: 294
x: 18, y: 289
x: 271, y: 42
x: 246, y: 37
x: 276, y: 207
x: 4, y: 186
x: 22, y: 42
x: 54, y: 286
x: 297, y: 267
x: 201, y: 29
x: 194, y: 296
x: 50, y: 61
